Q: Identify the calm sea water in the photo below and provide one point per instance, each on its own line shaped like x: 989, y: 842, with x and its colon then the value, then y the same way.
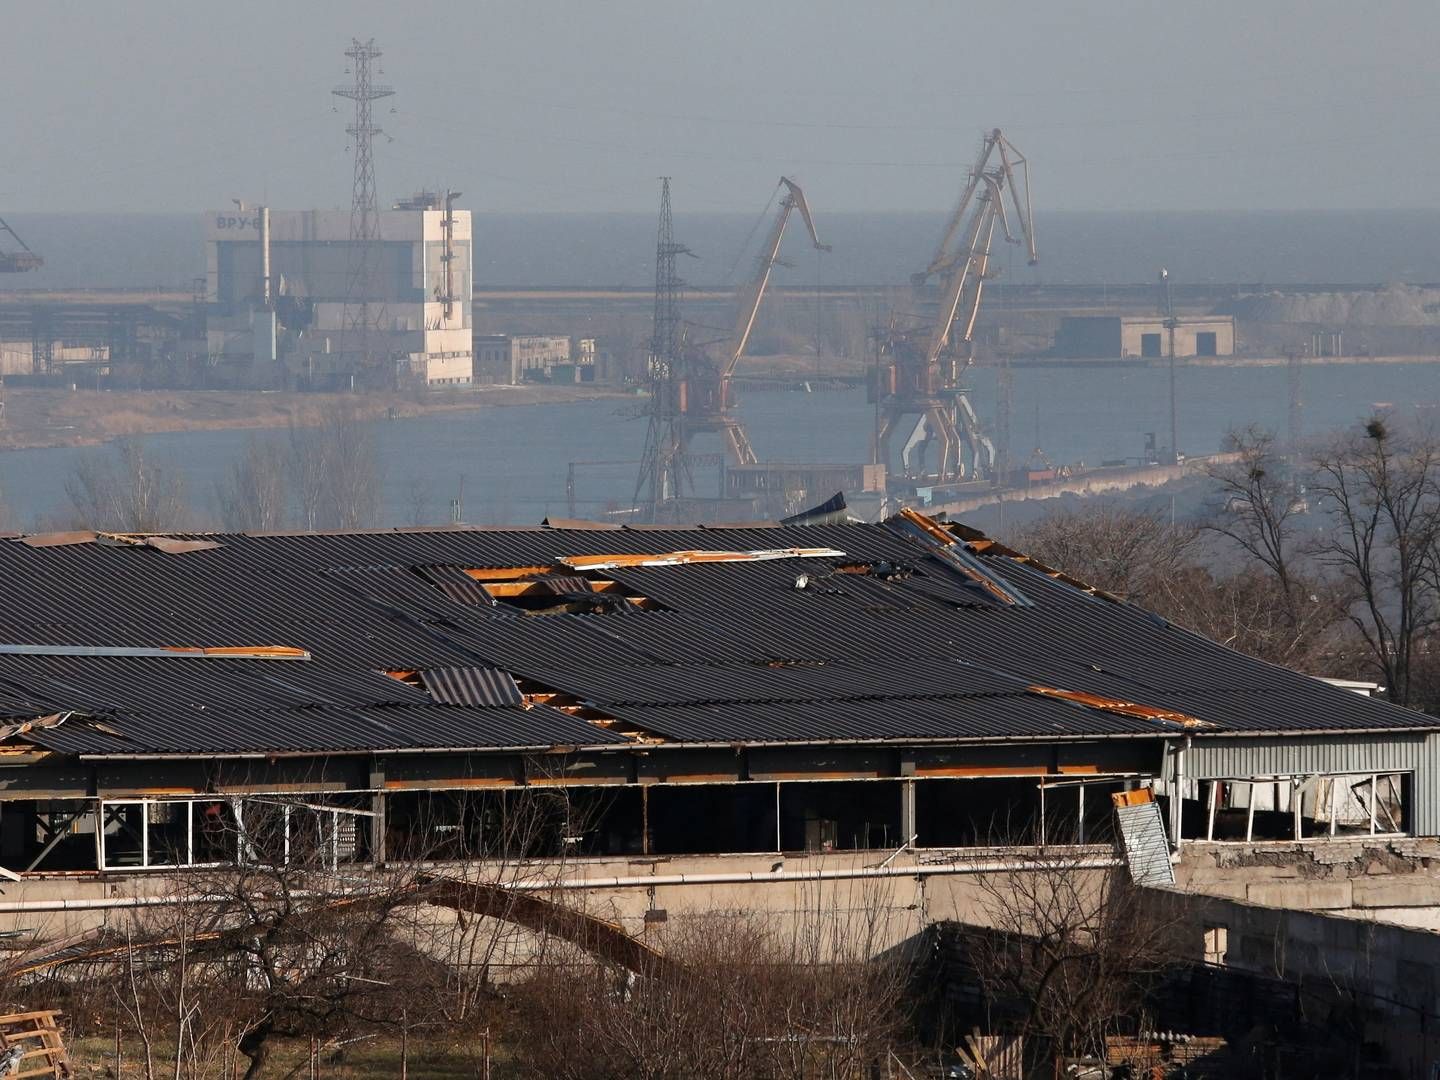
x: 513, y: 461
x: 1362, y: 246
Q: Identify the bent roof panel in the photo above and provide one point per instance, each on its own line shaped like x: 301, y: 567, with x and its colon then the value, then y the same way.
x: 740, y: 655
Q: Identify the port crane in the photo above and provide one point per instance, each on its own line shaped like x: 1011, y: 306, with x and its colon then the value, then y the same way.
x: 706, y: 397
x: 920, y: 369
x: 15, y: 262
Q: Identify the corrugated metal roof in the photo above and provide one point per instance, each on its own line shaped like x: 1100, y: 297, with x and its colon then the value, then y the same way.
x: 908, y: 648
x: 471, y: 686
x: 324, y: 730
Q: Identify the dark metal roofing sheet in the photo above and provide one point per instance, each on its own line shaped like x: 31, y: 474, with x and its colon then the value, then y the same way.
x: 874, y: 720
x: 737, y: 652
x: 323, y: 730
x: 471, y: 686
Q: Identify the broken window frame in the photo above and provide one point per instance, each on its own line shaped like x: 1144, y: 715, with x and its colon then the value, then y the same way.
x: 1395, y: 781
x: 331, y: 832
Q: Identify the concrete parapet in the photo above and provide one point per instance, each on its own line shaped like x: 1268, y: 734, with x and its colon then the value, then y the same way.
x: 1379, y: 892
x: 1301, y: 895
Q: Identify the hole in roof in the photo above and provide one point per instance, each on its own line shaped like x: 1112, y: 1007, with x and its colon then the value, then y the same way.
x: 539, y: 590
x: 537, y: 693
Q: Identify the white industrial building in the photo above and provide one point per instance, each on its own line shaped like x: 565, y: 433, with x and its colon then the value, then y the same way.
x: 1114, y: 337
x: 517, y: 358
x: 290, y: 296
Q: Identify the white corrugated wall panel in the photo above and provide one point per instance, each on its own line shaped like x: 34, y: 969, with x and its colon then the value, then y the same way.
x: 1426, y: 789
x: 1222, y: 759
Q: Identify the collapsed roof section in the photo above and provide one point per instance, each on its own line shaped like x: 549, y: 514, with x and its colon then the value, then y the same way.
x: 905, y: 632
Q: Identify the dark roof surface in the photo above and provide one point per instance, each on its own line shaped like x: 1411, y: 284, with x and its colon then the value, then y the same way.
x: 903, y: 637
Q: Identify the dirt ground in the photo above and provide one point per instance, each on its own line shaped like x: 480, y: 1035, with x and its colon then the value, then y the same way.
x: 94, y: 1059
x: 36, y: 418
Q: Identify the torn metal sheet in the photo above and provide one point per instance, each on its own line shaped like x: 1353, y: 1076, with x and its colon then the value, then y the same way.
x: 1123, y: 708
x: 60, y: 539
x: 54, y: 720
x: 951, y: 550
x: 684, y: 558
x: 171, y: 546
x: 579, y: 525
x: 224, y: 652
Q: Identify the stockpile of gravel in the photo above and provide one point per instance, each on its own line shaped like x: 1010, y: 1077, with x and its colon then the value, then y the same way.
x: 1393, y: 305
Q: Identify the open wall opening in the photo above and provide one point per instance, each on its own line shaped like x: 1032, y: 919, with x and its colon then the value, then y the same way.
x: 981, y: 812
x: 47, y: 834
x: 1080, y: 811
x: 536, y: 822
x: 845, y: 815
x: 712, y: 818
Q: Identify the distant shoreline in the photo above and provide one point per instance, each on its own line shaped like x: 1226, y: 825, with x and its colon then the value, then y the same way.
x: 37, y: 419
x: 1150, y: 363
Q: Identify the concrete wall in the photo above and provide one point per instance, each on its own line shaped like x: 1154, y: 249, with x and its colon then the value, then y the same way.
x: 793, y: 890
x: 1396, y: 971
x: 1393, y: 881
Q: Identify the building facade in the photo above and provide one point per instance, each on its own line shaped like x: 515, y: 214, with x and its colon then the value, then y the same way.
x: 298, y: 303
x: 517, y: 358
x: 1144, y: 336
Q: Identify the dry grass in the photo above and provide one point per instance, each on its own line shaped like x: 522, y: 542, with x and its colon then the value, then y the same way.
x: 94, y: 1059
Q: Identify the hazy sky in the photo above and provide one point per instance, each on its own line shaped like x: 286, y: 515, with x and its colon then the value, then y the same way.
x: 549, y: 105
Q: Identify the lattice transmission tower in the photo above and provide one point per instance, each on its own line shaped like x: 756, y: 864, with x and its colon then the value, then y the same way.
x: 664, y: 470
x: 364, y: 292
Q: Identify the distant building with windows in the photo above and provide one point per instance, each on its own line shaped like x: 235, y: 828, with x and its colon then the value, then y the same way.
x: 414, y: 282
x: 517, y: 358
x: 1143, y: 336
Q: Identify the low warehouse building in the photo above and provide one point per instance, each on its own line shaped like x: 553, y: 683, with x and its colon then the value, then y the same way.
x: 685, y: 691
x: 1112, y: 337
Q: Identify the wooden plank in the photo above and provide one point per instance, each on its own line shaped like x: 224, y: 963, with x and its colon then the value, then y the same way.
x: 41, y: 1024
x: 44, y: 1014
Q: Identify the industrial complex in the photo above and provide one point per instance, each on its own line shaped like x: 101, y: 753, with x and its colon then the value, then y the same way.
x: 907, y: 685
x: 690, y: 717
x: 283, y: 310
x: 726, y: 695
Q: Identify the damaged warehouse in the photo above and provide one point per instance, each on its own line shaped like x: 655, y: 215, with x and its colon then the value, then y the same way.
x: 649, y: 692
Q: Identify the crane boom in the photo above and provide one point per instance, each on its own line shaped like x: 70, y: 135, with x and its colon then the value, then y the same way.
x: 922, y: 378
x: 965, y: 272
x: 753, y: 293
x: 996, y: 145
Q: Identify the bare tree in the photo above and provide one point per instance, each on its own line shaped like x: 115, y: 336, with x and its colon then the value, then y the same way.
x: 336, y: 470
x: 419, y: 500
x: 1069, y: 952
x: 1260, y: 507
x: 127, y: 493
x: 1167, y: 569
x: 1381, y: 489
x: 1125, y: 553
x: 300, y: 943
x: 1250, y: 612
x: 736, y: 995
x: 254, y: 496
